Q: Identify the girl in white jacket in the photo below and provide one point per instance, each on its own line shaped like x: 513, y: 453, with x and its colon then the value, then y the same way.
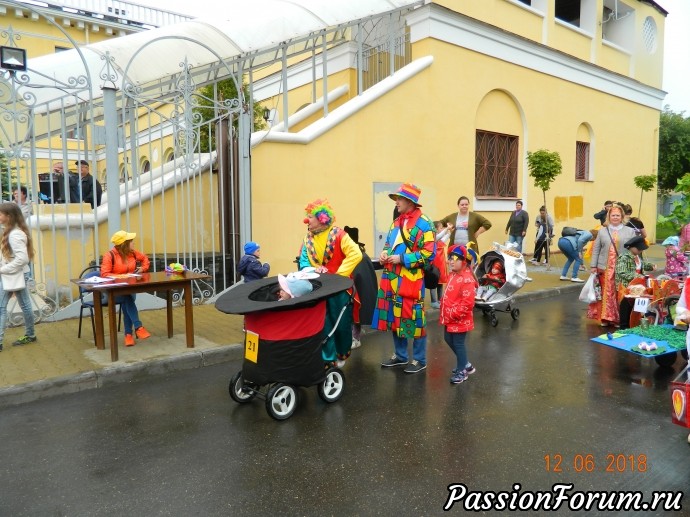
x: 16, y: 251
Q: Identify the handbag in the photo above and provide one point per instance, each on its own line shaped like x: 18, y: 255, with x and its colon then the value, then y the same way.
x: 588, y: 293
x: 13, y: 281
x: 431, y: 276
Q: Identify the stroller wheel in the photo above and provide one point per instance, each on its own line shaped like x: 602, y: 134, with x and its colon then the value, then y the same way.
x: 281, y: 401
x: 238, y: 391
x: 332, y: 388
x: 515, y: 314
x: 494, y: 320
x: 486, y: 312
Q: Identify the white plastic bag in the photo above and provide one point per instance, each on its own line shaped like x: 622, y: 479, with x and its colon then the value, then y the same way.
x: 588, y: 293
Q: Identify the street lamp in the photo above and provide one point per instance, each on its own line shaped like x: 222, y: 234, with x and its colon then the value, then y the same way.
x: 13, y: 59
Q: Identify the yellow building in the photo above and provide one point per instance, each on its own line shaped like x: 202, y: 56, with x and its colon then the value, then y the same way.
x: 503, y: 77
x: 450, y: 95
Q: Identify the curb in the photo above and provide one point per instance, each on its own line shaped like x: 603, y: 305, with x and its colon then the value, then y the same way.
x: 31, y: 391
x: 111, y: 375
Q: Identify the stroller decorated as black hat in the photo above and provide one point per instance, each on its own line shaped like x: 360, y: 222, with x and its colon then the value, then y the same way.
x: 508, y: 265
x: 283, y: 340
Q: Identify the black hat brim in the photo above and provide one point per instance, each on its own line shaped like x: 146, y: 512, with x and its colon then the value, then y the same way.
x: 258, y: 295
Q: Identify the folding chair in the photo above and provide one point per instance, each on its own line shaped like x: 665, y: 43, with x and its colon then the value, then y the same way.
x: 87, y: 301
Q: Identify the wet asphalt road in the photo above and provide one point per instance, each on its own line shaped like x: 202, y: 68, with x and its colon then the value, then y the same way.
x: 178, y: 445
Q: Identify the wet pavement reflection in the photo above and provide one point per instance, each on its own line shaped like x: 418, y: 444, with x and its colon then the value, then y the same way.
x: 543, y: 396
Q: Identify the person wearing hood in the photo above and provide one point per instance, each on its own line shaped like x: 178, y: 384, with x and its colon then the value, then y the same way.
x: 329, y: 249
x: 250, y: 267
x: 676, y: 261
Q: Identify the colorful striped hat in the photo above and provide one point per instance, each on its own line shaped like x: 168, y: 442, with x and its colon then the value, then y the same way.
x: 408, y: 191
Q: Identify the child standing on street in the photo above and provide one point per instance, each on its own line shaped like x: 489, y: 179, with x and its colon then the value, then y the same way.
x: 456, y: 309
x: 250, y: 267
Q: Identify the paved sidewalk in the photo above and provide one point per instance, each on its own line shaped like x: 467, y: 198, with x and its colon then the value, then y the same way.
x: 59, y: 362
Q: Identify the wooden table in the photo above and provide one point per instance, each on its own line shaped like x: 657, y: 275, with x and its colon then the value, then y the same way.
x: 146, y: 283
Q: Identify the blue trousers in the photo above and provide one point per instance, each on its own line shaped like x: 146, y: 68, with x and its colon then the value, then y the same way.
x: 571, y: 254
x: 517, y: 239
x: 456, y: 342
x: 24, y: 299
x: 418, y: 348
x: 130, y: 311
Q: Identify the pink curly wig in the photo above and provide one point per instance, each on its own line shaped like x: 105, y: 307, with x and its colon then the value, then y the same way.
x: 322, y: 210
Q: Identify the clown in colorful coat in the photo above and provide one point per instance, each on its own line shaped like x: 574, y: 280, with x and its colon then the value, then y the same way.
x: 330, y: 249
x: 410, y: 246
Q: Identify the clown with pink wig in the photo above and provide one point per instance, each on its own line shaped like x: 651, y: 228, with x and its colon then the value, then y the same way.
x: 329, y: 249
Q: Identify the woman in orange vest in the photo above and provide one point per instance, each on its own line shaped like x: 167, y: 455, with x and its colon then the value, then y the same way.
x: 123, y: 259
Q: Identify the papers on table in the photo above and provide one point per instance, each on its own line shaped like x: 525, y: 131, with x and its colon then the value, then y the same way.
x: 95, y: 280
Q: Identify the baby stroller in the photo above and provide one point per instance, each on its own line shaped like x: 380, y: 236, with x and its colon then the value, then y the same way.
x: 515, y: 277
x: 283, y: 339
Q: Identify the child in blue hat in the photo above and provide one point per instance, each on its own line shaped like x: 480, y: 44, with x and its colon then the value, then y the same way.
x: 250, y: 267
x: 676, y: 261
x: 457, y: 305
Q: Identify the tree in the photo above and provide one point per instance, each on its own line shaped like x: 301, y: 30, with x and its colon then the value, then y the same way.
x: 8, y: 178
x: 218, y: 93
x: 544, y: 166
x: 680, y: 213
x: 645, y: 184
x: 674, y: 148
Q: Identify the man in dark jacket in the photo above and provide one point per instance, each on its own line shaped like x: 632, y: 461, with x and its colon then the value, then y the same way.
x: 250, y: 266
x: 517, y: 225
x: 81, y: 187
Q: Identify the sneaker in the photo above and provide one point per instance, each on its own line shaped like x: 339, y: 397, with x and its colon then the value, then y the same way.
x: 577, y: 280
x: 129, y: 340
x: 469, y: 369
x: 534, y: 262
x: 24, y: 340
x: 393, y: 361
x: 142, y: 333
x: 458, y: 377
x: 544, y: 262
x: 564, y: 278
x: 435, y: 305
x: 339, y: 363
x: 356, y: 343
x: 415, y: 367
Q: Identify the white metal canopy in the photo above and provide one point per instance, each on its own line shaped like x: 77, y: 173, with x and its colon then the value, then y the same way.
x: 246, y: 27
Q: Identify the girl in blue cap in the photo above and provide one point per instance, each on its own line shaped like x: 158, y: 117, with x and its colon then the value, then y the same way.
x: 676, y: 261
x: 457, y: 305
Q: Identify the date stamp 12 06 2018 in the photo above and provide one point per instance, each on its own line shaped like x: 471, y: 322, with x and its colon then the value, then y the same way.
x: 612, y: 462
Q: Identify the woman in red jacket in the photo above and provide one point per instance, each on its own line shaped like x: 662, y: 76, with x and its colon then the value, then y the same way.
x: 123, y: 259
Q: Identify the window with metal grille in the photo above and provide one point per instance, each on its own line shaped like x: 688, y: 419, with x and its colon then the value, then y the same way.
x: 582, y: 161
x: 495, y: 168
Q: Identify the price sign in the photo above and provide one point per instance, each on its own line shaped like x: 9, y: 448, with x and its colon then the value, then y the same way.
x: 641, y: 305
x: 251, y: 346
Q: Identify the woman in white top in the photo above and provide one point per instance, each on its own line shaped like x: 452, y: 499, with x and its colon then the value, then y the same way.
x: 16, y: 251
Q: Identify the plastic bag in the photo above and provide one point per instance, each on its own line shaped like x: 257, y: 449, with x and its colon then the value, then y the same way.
x: 588, y: 293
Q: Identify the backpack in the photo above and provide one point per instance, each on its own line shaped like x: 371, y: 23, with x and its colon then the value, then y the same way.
x: 569, y: 231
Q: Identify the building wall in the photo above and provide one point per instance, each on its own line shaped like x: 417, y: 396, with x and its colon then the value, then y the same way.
x: 424, y: 132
